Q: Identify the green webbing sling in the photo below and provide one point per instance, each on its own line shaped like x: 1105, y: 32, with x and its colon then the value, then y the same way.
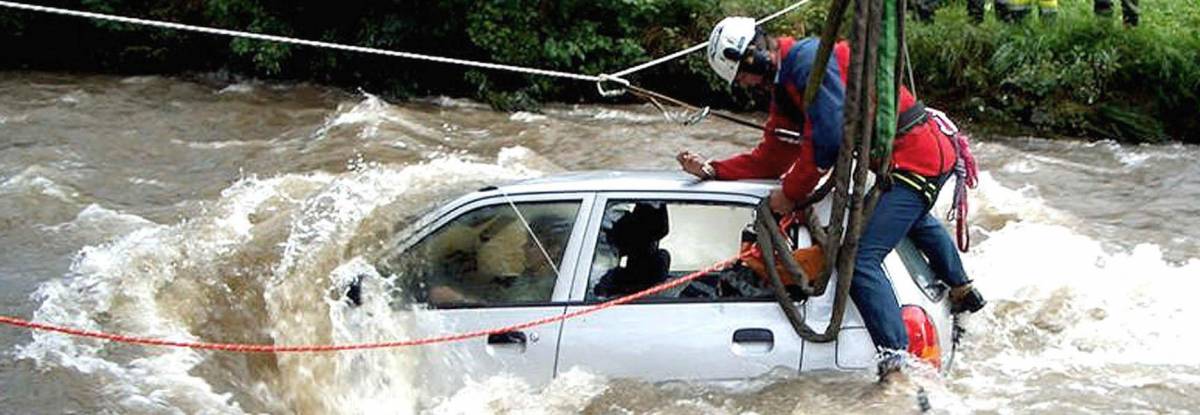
x: 885, y: 84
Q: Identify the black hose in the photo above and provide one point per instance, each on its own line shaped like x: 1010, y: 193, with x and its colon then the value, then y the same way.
x: 779, y: 242
x: 786, y: 303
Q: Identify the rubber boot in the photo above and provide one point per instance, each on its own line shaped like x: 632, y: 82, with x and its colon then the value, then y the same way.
x: 1130, y: 12
x: 965, y: 298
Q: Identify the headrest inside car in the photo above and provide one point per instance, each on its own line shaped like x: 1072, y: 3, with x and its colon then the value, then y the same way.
x: 640, y: 229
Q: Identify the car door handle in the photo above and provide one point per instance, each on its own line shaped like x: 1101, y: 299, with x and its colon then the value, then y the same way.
x: 508, y: 337
x: 753, y: 336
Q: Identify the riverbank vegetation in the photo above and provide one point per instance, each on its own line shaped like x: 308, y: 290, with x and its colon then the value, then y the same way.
x: 1080, y: 76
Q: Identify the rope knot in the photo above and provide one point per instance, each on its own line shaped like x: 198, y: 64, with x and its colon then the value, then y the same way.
x: 602, y: 78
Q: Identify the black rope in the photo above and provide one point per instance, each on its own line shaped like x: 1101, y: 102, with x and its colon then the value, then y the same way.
x: 652, y: 96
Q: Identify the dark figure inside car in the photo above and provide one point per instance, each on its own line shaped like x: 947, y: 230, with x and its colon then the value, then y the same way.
x: 642, y: 264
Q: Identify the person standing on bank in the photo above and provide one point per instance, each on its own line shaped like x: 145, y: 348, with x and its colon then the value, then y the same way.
x: 1129, y: 10
x: 923, y: 159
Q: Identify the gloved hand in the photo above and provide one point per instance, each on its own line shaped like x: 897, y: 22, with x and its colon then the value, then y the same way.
x: 779, y: 202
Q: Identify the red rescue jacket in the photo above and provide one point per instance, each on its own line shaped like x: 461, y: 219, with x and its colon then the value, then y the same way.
x: 923, y: 150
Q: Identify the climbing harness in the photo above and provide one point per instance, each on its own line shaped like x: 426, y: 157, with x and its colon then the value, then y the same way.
x: 867, y: 136
x: 927, y: 187
x: 911, y: 118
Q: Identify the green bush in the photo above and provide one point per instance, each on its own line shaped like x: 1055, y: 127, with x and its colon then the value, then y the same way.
x: 1080, y: 75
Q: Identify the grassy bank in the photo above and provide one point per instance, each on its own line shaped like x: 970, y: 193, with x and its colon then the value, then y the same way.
x: 1081, y: 76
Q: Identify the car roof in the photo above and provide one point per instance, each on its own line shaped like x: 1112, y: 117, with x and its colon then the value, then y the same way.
x: 634, y: 181
x: 652, y: 181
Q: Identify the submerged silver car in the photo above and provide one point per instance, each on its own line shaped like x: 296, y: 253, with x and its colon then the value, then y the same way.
x: 554, y: 245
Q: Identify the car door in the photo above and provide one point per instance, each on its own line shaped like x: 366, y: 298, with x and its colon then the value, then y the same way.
x: 478, y: 268
x: 853, y: 349
x: 672, y: 336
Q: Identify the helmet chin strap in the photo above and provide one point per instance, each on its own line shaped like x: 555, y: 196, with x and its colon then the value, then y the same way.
x: 759, y: 60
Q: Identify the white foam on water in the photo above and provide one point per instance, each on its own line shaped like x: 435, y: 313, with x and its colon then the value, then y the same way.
x: 140, y: 181
x: 220, y: 144
x: 281, y: 243
x: 1092, y: 304
x: 98, y: 220
x: 993, y: 205
x: 372, y: 114
x: 73, y: 98
x: 374, y: 381
x: 569, y: 393
x: 238, y: 88
x: 456, y: 103
x: 525, y: 161
x: 1064, y: 304
x: 1022, y: 166
x: 1072, y: 165
x: 609, y: 114
x: 121, y: 282
x: 13, y: 119
x: 141, y: 80
x: 34, y: 179
x: 527, y: 117
x: 1136, y: 156
x: 327, y: 223
x: 1081, y: 304
x: 1060, y: 301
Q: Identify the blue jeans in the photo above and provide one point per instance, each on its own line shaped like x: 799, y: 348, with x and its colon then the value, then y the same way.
x: 901, y: 211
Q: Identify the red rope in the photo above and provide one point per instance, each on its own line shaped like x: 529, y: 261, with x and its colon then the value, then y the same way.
x: 317, y: 348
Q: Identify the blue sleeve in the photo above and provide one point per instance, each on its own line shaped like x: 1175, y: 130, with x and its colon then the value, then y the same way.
x: 825, y: 114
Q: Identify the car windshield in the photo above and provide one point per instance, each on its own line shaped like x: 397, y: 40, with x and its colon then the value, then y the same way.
x: 487, y: 256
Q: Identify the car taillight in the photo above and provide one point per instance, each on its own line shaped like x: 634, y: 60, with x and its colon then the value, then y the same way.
x: 922, y: 336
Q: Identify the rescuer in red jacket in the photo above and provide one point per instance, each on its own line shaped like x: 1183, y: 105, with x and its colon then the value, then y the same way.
x: 923, y: 159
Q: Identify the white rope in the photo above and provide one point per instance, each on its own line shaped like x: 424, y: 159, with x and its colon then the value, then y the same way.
x: 618, y: 76
x: 691, y: 49
x: 701, y: 45
x: 529, y: 229
x: 912, y: 82
x: 782, y: 12
x: 282, y: 39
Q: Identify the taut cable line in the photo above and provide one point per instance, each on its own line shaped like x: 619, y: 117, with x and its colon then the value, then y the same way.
x: 617, y: 77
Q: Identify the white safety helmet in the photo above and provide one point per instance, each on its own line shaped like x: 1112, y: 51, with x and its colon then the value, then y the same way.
x: 734, y: 33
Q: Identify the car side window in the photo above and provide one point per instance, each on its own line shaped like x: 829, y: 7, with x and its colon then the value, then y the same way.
x: 487, y: 256
x: 645, y: 243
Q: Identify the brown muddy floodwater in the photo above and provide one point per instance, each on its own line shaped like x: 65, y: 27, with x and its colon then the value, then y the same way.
x: 216, y: 212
